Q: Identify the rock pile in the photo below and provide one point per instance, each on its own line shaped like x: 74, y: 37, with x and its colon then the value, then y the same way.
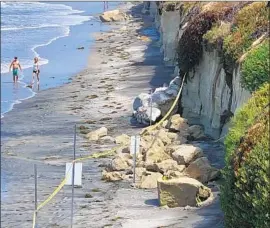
x: 166, y: 161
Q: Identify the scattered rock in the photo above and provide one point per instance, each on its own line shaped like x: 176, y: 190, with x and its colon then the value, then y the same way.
x: 185, y: 154
x: 164, y: 166
x: 176, y: 139
x: 123, y: 150
x: 154, y: 151
x: 122, y: 139
x: 201, y: 170
x: 150, y: 180
x: 196, y: 132
x: 169, y: 164
x: 178, y: 124
x: 111, y: 176
x: 119, y: 163
x: 95, y: 135
x: 181, y: 192
x: 107, y: 139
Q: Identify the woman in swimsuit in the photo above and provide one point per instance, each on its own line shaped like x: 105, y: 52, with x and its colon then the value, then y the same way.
x: 36, y: 70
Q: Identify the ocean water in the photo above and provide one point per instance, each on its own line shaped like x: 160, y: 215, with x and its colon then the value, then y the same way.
x: 35, y: 29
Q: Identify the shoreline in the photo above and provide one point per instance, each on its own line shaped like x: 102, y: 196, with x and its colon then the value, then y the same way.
x: 67, y: 46
x: 41, y: 132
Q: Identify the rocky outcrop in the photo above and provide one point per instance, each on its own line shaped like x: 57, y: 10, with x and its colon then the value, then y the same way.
x: 181, y: 192
x: 113, y: 15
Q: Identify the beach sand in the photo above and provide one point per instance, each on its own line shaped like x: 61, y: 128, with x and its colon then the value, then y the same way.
x: 40, y: 131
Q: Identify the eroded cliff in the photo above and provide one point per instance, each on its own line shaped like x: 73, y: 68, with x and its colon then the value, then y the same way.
x: 210, y: 41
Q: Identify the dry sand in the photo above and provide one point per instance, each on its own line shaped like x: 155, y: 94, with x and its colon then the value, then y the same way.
x: 40, y: 131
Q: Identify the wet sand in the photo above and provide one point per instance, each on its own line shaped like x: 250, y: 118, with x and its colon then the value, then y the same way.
x: 40, y: 131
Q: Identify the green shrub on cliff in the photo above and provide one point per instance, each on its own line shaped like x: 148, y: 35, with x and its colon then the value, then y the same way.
x: 218, y: 31
x: 250, y: 23
x: 190, y: 45
x: 255, y: 68
x: 245, y: 190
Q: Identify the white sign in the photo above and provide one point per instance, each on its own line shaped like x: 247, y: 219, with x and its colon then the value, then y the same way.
x: 134, y: 140
x: 77, y: 176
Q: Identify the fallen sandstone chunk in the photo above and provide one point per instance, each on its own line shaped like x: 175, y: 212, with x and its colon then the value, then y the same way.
x: 97, y: 134
x: 150, y: 180
x: 181, y: 192
x: 164, y: 166
x: 178, y: 124
x: 107, y: 139
x: 111, y: 176
x: 201, y: 170
x: 120, y: 163
x: 122, y: 139
x: 186, y: 153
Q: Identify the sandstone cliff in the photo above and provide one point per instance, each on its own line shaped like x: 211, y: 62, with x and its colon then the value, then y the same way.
x: 212, y: 93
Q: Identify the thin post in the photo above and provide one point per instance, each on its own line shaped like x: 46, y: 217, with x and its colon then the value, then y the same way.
x: 134, y: 159
x: 73, y: 176
x: 151, y: 104
x: 35, y: 171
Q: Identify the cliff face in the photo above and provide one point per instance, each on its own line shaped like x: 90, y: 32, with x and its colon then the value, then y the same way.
x: 210, y: 97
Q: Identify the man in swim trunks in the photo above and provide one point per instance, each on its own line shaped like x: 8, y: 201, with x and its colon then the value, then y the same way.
x: 15, y: 65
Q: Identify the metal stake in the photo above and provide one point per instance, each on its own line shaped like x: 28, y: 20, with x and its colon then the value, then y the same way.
x: 134, y: 159
x: 151, y: 104
x: 73, y: 177
x: 35, y: 171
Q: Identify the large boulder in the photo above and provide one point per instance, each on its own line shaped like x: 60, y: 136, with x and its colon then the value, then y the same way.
x: 113, y: 15
x: 112, y: 176
x: 186, y: 153
x: 201, y: 170
x: 181, y: 192
x: 178, y: 124
x: 97, y: 134
x: 149, y: 180
x: 122, y: 139
x: 196, y: 132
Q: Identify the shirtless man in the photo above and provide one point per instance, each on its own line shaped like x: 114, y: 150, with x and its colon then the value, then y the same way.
x: 15, y: 65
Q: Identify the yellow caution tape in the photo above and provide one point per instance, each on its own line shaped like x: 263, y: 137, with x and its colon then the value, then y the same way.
x: 104, y: 153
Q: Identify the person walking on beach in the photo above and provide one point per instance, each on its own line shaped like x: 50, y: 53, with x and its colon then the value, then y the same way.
x: 36, y: 70
x: 15, y: 65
